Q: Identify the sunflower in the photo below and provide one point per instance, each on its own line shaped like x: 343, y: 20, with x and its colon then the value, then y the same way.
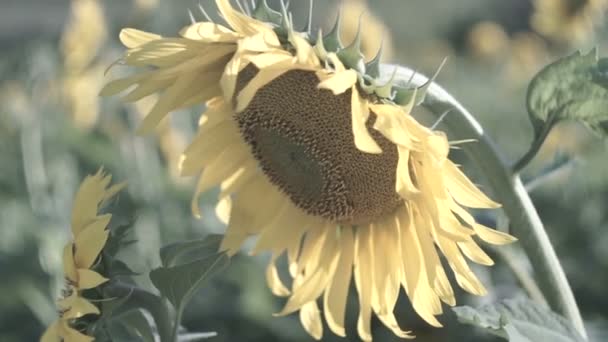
x: 319, y: 160
x: 568, y: 21
x: 79, y: 256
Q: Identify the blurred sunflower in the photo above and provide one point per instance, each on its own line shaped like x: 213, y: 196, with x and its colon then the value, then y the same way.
x: 567, y: 20
x: 320, y: 160
x: 79, y: 256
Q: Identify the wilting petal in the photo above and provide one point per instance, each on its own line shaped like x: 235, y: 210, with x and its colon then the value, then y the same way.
x: 310, y: 317
x: 209, y: 33
x: 360, y: 113
x: 339, y: 82
x: 464, y: 191
x: 364, y: 274
x: 334, y: 299
x: 133, y: 38
x: 274, y: 281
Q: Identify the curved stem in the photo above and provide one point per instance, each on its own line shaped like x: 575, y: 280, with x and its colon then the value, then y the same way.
x: 539, y: 139
x: 508, y: 187
x: 139, y: 298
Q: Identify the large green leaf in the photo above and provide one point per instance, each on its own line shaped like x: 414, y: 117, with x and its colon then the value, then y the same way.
x: 574, y: 87
x: 186, y: 265
x: 187, y: 251
x: 519, y: 321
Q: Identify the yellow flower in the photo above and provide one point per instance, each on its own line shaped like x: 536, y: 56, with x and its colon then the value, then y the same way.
x: 61, y: 330
x: 567, y: 20
x: 90, y: 235
x: 321, y: 161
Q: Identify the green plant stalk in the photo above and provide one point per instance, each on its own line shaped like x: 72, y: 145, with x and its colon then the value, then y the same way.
x: 139, y: 298
x: 539, y: 139
x: 509, y: 189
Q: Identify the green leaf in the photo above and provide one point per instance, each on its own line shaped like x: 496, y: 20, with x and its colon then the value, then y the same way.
x: 574, y: 87
x: 187, y: 251
x: 179, y: 283
x: 519, y: 321
x: 119, y: 268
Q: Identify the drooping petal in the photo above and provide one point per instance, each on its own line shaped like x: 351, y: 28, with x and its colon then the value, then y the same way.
x: 493, y: 236
x: 464, y: 191
x: 310, y: 317
x: 274, y: 281
x: 224, y: 165
x: 364, y: 274
x: 360, y: 113
x: 338, y: 82
x: 133, y: 38
x: 334, y: 299
x: 209, y: 33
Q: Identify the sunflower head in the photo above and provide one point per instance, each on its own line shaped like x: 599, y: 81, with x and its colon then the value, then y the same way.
x: 318, y: 158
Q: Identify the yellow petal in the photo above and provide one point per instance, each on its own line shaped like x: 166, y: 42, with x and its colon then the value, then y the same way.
x: 209, y: 32
x: 339, y: 82
x: 262, y: 78
x: 310, y: 318
x: 363, y: 280
x: 230, y: 75
x: 404, y: 184
x: 75, y: 306
x: 206, y: 146
x: 270, y: 59
x: 170, y: 100
x: 88, y: 279
x: 443, y: 288
x: 90, y: 242
x: 274, y: 281
x: 389, y: 122
x: 389, y: 320
x: 242, y: 176
x: 245, y: 25
x: 116, y: 86
x: 51, y: 334
x: 334, y: 299
x: 492, y: 236
x: 464, y: 276
x: 222, y: 167
x: 472, y: 251
x: 464, y: 191
x: 305, y: 53
x: 69, y: 267
x: 360, y: 112
x: 70, y: 334
x: 222, y: 209
x: 424, y: 300
x: 133, y: 38
x: 90, y: 195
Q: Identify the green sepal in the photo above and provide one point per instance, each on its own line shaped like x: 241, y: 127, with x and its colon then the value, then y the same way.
x: 351, y: 55
x: 263, y: 12
x: 332, y: 41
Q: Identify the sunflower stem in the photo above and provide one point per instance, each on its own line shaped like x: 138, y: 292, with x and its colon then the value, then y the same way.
x: 539, y: 139
x: 509, y: 190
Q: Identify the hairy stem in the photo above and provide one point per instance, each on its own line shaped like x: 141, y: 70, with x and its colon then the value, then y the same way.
x: 539, y: 139
x: 508, y: 189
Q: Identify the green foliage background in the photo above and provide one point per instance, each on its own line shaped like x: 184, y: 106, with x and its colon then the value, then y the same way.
x: 44, y: 156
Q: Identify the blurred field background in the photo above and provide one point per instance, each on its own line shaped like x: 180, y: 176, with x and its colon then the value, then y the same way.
x: 54, y: 130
